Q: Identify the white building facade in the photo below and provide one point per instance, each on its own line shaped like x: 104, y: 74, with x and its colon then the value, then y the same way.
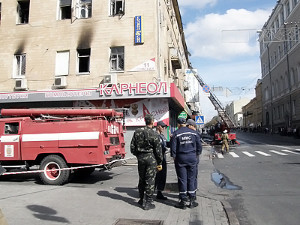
x: 122, y: 54
x: 280, y: 66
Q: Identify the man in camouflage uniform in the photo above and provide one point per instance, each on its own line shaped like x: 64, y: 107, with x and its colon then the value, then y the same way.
x: 145, y: 145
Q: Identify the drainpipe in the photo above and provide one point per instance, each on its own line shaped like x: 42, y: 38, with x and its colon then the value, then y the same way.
x: 158, y: 41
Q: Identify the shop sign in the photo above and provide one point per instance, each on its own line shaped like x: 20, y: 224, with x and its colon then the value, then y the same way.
x: 138, y: 30
x: 141, y: 88
x: 183, y: 114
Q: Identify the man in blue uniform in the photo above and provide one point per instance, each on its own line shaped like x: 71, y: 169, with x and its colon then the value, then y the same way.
x: 185, y: 150
x: 192, y: 125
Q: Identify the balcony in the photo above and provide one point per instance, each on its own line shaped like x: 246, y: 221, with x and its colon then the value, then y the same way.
x: 175, y: 58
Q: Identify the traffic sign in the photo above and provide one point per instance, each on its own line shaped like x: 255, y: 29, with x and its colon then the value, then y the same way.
x: 206, y: 88
x: 182, y: 115
x: 199, y: 119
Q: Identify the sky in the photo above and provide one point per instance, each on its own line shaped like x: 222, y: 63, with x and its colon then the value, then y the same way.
x: 222, y: 39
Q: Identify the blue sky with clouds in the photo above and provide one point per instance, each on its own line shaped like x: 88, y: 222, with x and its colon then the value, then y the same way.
x: 221, y: 36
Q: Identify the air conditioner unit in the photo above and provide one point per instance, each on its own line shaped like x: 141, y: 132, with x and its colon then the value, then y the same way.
x: 60, y: 82
x: 21, y: 84
x: 110, y: 79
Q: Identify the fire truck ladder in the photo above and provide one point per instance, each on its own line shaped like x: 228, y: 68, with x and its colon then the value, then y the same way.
x: 217, y: 104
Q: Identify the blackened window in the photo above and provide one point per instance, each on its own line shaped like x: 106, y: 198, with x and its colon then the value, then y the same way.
x: 84, y: 60
x: 65, y: 9
x: 23, y: 12
x: 0, y: 12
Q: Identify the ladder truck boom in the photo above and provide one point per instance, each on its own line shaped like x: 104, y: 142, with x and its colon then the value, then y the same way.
x: 217, y: 104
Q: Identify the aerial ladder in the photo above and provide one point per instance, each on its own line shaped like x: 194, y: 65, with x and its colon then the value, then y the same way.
x: 229, y: 124
x: 217, y: 104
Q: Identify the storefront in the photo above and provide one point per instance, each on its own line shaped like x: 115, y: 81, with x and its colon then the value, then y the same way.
x: 164, y: 101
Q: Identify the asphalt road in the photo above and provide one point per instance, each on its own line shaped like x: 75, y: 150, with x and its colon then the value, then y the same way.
x: 267, y: 169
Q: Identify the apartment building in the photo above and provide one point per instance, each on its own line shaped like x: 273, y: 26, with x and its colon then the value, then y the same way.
x: 234, y: 111
x: 99, y: 54
x: 280, y: 66
x: 252, y: 112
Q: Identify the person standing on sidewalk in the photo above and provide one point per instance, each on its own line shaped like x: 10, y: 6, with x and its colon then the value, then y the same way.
x: 192, y: 125
x: 225, y: 139
x: 161, y: 176
x: 146, y: 147
x: 185, y: 148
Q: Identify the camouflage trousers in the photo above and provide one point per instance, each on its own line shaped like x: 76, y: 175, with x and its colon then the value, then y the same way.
x: 147, y: 172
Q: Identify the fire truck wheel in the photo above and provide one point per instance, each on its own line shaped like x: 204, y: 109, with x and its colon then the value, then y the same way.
x: 52, y: 175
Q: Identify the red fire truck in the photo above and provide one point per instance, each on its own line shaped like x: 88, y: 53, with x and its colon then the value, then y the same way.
x: 57, y: 140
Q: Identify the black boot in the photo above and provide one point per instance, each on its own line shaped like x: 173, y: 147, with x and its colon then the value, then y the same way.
x: 148, y: 203
x: 181, y: 204
x: 161, y: 196
x: 193, y: 202
x: 141, y: 201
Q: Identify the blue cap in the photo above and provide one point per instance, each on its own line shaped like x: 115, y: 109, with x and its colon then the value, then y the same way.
x: 191, y: 122
x: 181, y: 121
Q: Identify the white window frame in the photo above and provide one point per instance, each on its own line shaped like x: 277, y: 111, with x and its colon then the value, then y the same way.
x: 59, y: 9
x: 85, y: 6
x: 117, y: 59
x: 113, y: 11
x: 62, y: 63
x: 83, y: 56
x: 19, y: 69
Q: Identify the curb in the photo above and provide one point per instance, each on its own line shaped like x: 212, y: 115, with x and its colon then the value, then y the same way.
x: 230, y: 213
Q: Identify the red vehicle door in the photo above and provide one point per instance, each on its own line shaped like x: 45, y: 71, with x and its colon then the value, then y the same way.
x: 9, y: 141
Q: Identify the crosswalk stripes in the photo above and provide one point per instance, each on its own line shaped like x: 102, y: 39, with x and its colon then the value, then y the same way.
x: 233, y: 155
x: 249, y: 154
x: 279, y: 153
x: 263, y: 153
x: 288, y: 151
x: 282, y: 152
x: 220, y: 156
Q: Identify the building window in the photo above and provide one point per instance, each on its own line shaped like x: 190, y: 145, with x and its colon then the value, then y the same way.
x: 288, y: 8
x: 84, y: 60
x: 117, y: 59
x: 23, y: 12
x: 84, y: 9
x: 0, y: 12
x: 117, y: 7
x: 65, y: 9
x: 62, y: 63
x: 282, y: 17
x: 19, y: 65
x: 295, y: 3
x: 294, y: 107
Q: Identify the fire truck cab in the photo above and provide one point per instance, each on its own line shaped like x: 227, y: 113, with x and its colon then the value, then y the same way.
x: 59, y: 139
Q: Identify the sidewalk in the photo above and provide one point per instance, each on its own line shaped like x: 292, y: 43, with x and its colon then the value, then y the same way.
x: 110, y: 198
x: 212, y: 209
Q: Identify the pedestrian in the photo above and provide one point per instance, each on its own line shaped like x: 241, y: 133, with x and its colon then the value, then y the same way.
x: 225, y: 139
x: 185, y: 148
x: 146, y: 147
x: 192, y: 125
x: 161, y: 176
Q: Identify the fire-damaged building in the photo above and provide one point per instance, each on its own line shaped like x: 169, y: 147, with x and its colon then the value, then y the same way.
x: 121, y: 54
